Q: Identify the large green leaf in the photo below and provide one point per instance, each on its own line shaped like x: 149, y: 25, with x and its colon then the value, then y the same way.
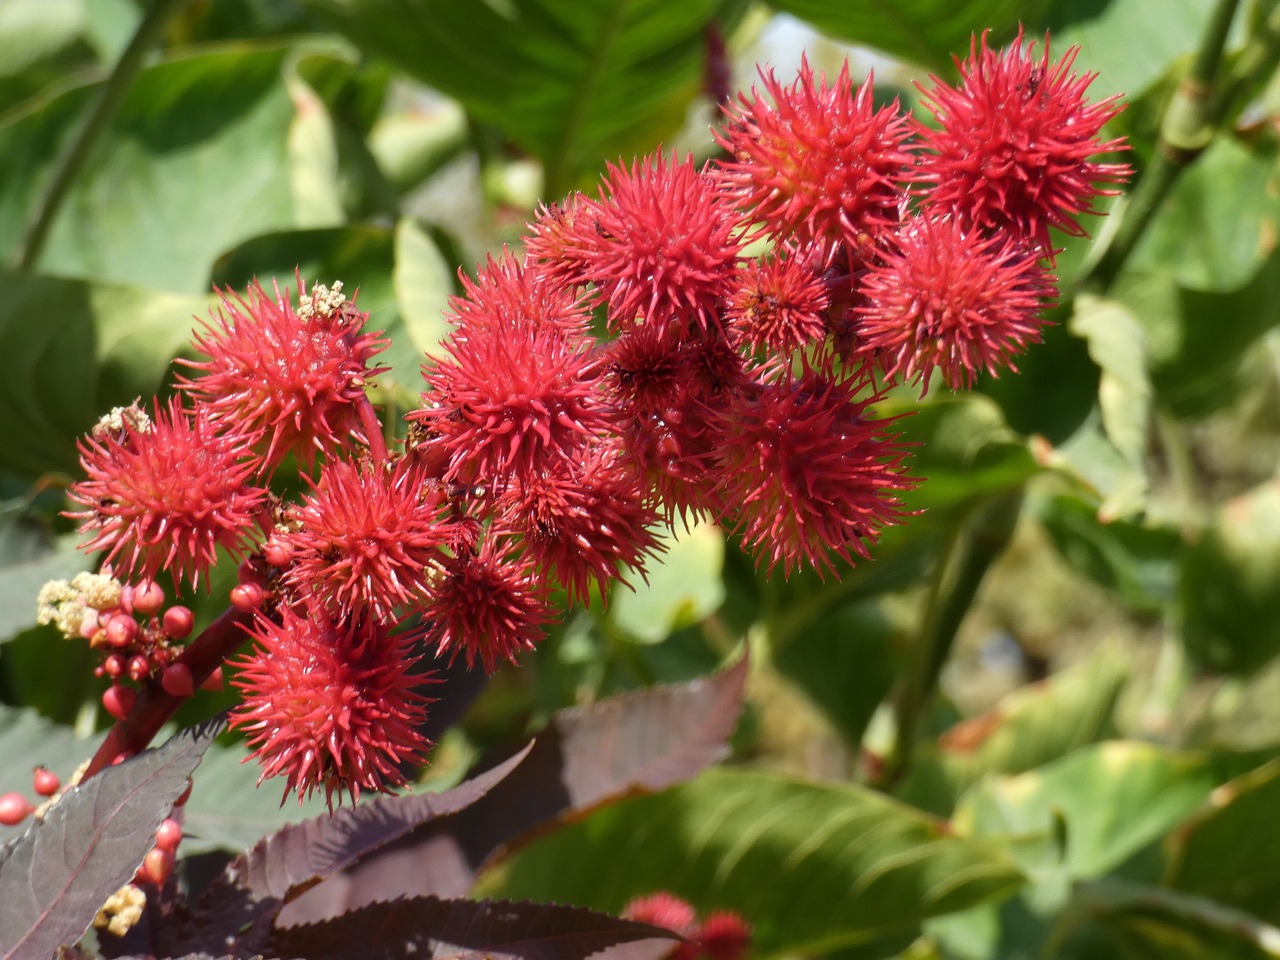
x: 196, y: 160
x: 814, y: 867
x: 1030, y: 727
x: 928, y: 32
x: 1229, y: 852
x: 1084, y: 815
x: 1230, y: 584
x: 574, y: 82
x: 72, y: 351
x: 681, y: 587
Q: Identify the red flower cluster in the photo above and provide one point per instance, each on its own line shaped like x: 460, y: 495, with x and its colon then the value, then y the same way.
x: 643, y: 361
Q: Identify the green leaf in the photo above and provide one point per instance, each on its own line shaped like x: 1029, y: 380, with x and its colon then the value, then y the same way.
x: 1117, y: 344
x: 424, y: 282
x: 195, y: 161
x: 1230, y: 584
x: 1084, y: 815
x: 815, y: 867
x: 682, y: 586
x: 963, y: 449
x: 28, y: 560
x: 1138, y: 561
x: 1030, y: 727
x: 72, y: 351
x: 925, y: 31
x: 1223, y: 854
x: 1109, y: 32
x: 28, y: 740
x: 574, y: 82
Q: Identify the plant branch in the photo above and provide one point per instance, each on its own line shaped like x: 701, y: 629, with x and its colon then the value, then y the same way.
x: 155, y: 706
x: 78, y: 149
x: 1188, y: 126
x: 976, y: 542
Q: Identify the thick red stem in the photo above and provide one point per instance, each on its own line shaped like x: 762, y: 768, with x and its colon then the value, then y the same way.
x: 372, y: 428
x: 154, y: 706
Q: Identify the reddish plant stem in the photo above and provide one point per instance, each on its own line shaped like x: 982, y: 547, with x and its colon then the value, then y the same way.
x: 372, y: 428
x: 154, y: 706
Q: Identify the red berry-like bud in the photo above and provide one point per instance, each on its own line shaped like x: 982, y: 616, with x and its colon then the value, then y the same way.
x: 247, y: 596
x: 157, y: 867
x: 277, y: 554
x: 177, y: 680
x: 139, y: 668
x: 148, y: 598
x: 113, y: 666
x: 178, y: 622
x: 213, y: 682
x: 45, y: 781
x: 14, y: 808
x: 118, y: 700
x: 724, y: 936
x: 168, y: 835
x: 121, y: 630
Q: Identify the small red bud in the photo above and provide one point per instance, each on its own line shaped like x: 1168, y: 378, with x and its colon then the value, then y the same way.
x: 213, y: 682
x: 113, y: 666
x: 45, y: 781
x: 177, y: 680
x: 247, y: 596
x: 121, y: 630
x: 148, y: 598
x: 178, y: 622
x: 168, y: 835
x: 14, y: 808
x: 157, y: 867
x: 277, y: 554
x: 139, y: 668
x: 118, y: 700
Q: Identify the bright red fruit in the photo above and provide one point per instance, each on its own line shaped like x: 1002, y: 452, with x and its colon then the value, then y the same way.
x: 45, y: 781
x: 14, y: 808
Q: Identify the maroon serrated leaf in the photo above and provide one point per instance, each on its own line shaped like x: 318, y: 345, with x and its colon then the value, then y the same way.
x: 425, y: 927
x: 284, y: 863
x: 239, y: 907
x: 62, y: 870
x: 637, y: 742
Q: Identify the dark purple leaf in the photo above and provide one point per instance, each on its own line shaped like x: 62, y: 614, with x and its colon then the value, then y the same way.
x: 637, y: 742
x: 65, y: 867
x: 239, y: 906
x: 425, y: 927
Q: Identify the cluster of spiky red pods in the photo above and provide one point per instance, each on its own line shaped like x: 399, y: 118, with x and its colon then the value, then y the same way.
x: 693, y: 340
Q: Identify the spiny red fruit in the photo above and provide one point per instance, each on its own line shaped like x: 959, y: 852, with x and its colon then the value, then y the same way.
x: 806, y: 473
x: 368, y: 537
x: 295, y: 376
x: 488, y: 607
x: 779, y: 304
x: 724, y: 936
x: 14, y: 808
x: 511, y: 395
x: 816, y: 161
x: 660, y: 244
x: 331, y: 705
x: 585, y: 522
x: 166, y: 495
x: 45, y: 781
x: 666, y: 910
x: 947, y: 297
x: 1015, y: 143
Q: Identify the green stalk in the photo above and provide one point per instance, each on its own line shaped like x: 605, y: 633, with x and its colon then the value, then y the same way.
x: 974, y: 546
x: 1187, y: 128
x: 78, y: 149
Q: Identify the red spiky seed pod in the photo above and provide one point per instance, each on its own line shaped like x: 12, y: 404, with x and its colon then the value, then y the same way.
x: 817, y: 161
x: 779, y: 304
x: 331, y: 705
x: 166, y: 494
x: 294, y: 376
x: 1015, y: 143
x: 488, y: 606
x: 368, y: 538
x: 949, y: 298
